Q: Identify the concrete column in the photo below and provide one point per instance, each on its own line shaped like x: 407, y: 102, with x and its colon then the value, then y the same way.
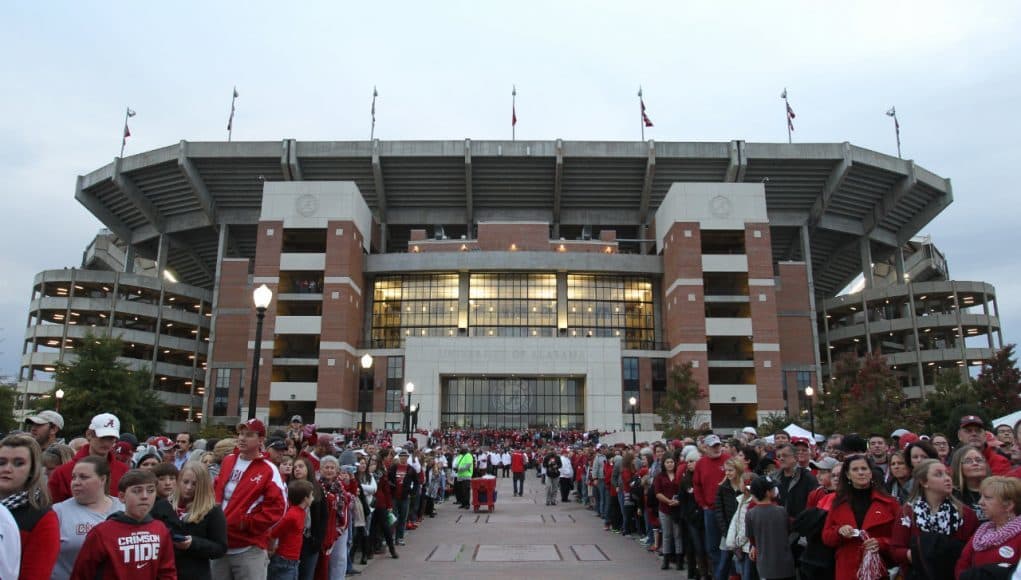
x: 913, y: 314
x: 898, y: 255
x: 866, y: 262
x: 129, y: 259
x: 960, y: 332
x: 806, y: 254
x: 868, y: 330
x: 996, y: 310
x: 989, y: 325
x: 161, y: 255
x: 221, y: 253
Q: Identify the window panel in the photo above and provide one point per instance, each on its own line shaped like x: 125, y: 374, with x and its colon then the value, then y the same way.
x: 611, y: 306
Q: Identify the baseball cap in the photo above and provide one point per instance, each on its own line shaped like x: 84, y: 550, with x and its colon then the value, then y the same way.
x: 899, y: 433
x: 106, y: 425
x: 402, y: 452
x: 907, y: 439
x: 972, y: 420
x: 278, y: 444
x: 253, y: 425
x: 761, y: 485
x: 163, y: 444
x: 712, y: 440
x: 750, y: 431
x: 46, y: 417
x: 800, y: 441
x: 826, y: 463
x: 296, y: 419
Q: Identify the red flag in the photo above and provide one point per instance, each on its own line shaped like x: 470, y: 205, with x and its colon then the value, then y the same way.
x: 790, y: 117
x: 127, y: 132
x: 645, y: 118
x: 514, y: 116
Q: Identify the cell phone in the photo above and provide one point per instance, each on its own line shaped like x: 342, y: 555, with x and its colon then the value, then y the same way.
x: 178, y: 537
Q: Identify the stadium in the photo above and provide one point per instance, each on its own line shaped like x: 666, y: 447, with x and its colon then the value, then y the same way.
x: 512, y: 283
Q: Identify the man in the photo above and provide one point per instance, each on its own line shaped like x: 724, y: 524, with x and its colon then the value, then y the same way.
x: 781, y: 437
x: 464, y: 467
x: 276, y: 450
x: 183, y: 453
x: 566, y: 480
x: 834, y: 441
x: 1004, y: 433
x: 252, y: 495
x: 44, y: 428
x: 505, y: 462
x: 551, y: 463
x: 596, y: 475
x: 404, y: 482
x: 795, y: 481
x: 102, y: 434
x: 709, y: 472
x: 973, y: 432
x: 879, y: 451
x: 517, y: 467
x: 802, y: 450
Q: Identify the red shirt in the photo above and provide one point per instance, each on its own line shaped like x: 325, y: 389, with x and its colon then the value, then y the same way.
x: 1008, y: 553
x: 59, y: 482
x: 517, y: 462
x: 124, y: 549
x: 289, y: 531
x: 709, y: 472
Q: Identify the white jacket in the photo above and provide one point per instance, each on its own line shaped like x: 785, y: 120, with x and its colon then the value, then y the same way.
x: 737, y: 532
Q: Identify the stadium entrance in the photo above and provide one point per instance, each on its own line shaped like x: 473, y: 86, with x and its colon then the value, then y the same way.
x: 512, y: 402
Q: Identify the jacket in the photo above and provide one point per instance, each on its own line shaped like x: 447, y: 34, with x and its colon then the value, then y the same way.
x: 408, y: 487
x: 726, y: 504
x: 883, y: 514
x: 257, y: 504
x: 208, y: 542
x: 932, y: 555
x: 128, y: 549
x: 1008, y: 552
x: 998, y: 464
x: 40, y: 540
x: 709, y: 472
x: 59, y: 482
x: 794, y: 495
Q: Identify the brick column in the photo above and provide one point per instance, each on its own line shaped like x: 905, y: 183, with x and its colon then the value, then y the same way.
x: 765, y: 330
x: 684, y: 301
x: 267, y: 271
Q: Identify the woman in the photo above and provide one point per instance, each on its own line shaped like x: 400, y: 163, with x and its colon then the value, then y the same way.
x: 318, y: 514
x: 861, y: 506
x: 89, y: 504
x: 917, y: 452
x: 367, y: 481
x: 203, y: 524
x: 147, y: 457
x: 941, y: 444
x: 24, y: 494
x: 666, y: 486
x: 56, y: 455
x: 997, y: 541
x: 222, y: 448
x: 736, y: 539
x: 730, y: 489
x: 627, y: 506
x: 934, y: 525
x: 968, y: 468
x: 694, y: 522
x: 900, y: 478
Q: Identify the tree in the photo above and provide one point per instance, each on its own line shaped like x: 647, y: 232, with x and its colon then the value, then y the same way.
x: 95, y: 382
x: 866, y: 397
x: 951, y: 392
x: 680, y: 402
x: 7, y: 397
x: 774, y: 422
x: 999, y: 384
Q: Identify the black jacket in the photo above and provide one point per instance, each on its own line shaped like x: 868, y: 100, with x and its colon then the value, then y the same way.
x: 318, y: 514
x: 410, y: 485
x: 726, y: 504
x: 794, y: 491
x: 208, y: 542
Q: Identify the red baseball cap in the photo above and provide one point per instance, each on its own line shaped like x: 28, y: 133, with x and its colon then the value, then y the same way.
x: 800, y: 441
x: 253, y: 425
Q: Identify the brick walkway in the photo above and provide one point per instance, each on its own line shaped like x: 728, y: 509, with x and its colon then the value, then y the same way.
x: 523, y: 538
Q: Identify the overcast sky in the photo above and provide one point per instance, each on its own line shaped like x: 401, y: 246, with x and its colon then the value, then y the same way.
x: 710, y: 71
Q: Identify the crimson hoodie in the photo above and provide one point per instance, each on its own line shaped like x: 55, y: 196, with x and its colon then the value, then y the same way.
x: 59, y: 482
x: 257, y: 504
x: 709, y: 472
x: 125, y: 548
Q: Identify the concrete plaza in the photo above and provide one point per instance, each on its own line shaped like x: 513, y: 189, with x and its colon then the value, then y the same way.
x: 522, y: 538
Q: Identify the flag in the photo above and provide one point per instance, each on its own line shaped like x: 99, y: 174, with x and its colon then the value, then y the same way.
x: 375, y: 94
x: 646, y: 121
x: 514, y: 107
x: 790, y: 117
x: 127, y: 132
x: 230, y: 121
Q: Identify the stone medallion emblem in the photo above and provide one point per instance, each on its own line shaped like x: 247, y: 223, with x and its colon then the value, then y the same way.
x: 307, y: 205
x: 720, y: 206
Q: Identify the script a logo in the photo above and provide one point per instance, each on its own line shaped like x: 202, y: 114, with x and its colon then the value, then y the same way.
x: 257, y: 478
x: 109, y: 424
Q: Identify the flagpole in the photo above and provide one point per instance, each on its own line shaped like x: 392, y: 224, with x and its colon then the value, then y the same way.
x: 372, y: 131
x: 514, y: 112
x: 230, y: 122
x: 641, y: 116
x: 896, y: 126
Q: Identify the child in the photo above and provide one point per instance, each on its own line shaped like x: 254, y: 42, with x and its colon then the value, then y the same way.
x: 129, y: 545
x: 289, y: 532
x: 767, y: 527
x: 166, y: 485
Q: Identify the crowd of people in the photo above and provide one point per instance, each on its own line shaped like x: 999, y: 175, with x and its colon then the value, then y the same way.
x: 296, y: 503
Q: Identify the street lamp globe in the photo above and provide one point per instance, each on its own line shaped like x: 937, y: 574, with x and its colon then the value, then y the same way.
x: 366, y: 361
x: 809, y: 391
x: 262, y: 296
x: 414, y: 407
x: 410, y: 387
x: 633, y: 401
x: 59, y: 394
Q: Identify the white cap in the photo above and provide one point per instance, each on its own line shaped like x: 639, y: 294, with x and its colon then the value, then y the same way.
x: 750, y: 431
x: 106, y: 425
x: 899, y: 433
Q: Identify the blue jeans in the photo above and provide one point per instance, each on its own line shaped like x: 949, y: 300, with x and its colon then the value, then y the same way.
x: 338, y: 557
x: 307, y: 566
x: 401, y: 506
x: 712, y: 539
x: 282, y: 569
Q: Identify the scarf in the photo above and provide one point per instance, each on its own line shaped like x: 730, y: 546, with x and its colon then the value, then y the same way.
x: 987, y: 536
x: 946, y: 520
x: 15, y: 501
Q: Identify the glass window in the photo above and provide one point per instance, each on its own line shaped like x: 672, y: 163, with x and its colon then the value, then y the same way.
x: 222, y: 392
x: 394, y: 383
x: 512, y: 402
x: 519, y: 305
x: 611, y: 306
x: 413, y: 305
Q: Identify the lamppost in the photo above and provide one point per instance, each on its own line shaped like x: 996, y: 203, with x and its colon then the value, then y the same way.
x: 409, y: 388
x: 60, y: 395
x: 809, y: 392
x: 634, y: 437
x: 365, y: 393
x: 262, y: 296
